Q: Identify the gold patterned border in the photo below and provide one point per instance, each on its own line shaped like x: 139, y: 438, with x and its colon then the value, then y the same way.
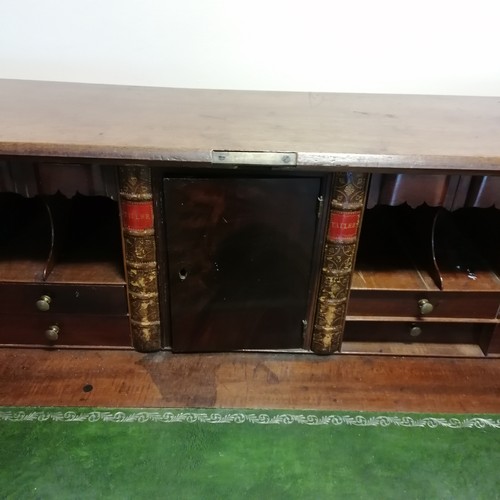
x: 218, y: 417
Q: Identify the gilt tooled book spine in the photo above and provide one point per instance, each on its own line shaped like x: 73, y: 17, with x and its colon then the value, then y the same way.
x: 346, y: 209
x: 136, y: 202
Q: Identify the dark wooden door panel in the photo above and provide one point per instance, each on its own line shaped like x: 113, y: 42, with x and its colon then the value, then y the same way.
x: 240, y: 254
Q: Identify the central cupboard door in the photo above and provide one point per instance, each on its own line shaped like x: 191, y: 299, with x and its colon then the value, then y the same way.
x: 240, y: 260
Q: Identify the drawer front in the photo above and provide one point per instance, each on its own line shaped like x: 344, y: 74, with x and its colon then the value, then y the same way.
x: 399, y: 304
x: 77, y: 299
x: 71, y: 330
x: 409, y: 332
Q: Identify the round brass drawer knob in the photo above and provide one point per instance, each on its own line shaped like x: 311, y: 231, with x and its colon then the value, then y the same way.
x: 425, y: 306
x: 43, y: 303
x: 52, y: 333
x: 415, y: 331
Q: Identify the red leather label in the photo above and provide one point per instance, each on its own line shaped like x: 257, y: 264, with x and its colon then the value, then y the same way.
x: 343, y: 225
x: 137, y: 215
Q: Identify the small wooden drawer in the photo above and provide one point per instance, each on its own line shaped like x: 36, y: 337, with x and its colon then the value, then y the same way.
x: 409, y: 304
x: 41, y: 299
x: 60, y: 330
x: 422, y: 332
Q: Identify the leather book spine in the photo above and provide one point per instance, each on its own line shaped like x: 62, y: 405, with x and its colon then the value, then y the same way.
x: 137, y: 218
x: 346, y: 210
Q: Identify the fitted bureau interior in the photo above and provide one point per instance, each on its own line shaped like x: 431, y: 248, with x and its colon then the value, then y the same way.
x: 61, y: 271
x: 426, y: 281
x: 202, y: 220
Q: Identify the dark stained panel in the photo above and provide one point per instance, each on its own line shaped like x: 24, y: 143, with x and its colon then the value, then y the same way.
x: 240, y: 260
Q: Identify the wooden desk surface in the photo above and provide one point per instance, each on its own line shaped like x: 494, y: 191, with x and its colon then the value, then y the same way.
x: 237, y: 380
x: 328, y: 131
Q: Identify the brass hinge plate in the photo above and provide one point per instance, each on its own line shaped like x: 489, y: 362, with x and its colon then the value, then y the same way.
x: 304, y: 329
x: 321, y: 202
x: 255, y: 158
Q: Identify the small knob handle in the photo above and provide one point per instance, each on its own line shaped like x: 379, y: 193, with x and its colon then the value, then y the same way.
x: 43, y: 303
x: 425, y: 306
x: 52, y: 333
x: 415, y: 331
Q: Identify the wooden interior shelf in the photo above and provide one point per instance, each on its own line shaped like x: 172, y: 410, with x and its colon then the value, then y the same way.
x: 55, y: 239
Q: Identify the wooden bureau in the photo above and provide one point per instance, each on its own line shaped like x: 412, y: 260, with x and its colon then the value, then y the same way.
x: 210, y: 220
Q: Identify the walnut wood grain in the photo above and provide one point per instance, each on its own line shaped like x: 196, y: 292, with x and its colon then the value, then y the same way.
x: 381, y: 132
x: 240, y: 254
x: 131, y: 379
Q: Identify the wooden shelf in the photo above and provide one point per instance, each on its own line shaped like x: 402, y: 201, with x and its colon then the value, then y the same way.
x: 87, y: 245
x: 421, y: 349
x: 92, y: 272
x: 396, y: 253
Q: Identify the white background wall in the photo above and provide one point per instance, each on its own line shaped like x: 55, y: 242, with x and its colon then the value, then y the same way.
x: 422, y: 46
